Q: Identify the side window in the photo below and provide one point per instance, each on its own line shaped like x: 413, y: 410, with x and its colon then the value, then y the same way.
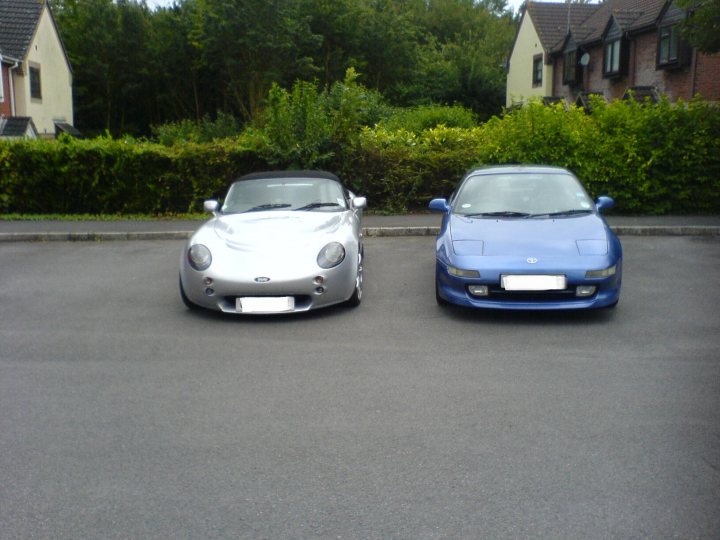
x: 537, y: 73
x: 35, y: 85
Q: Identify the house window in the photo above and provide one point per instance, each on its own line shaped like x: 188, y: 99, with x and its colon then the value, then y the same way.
x: 537, y: 72
x: 570, y: 68
x: 35, y: 87
x: 611, y: 67
x: 669, y: 45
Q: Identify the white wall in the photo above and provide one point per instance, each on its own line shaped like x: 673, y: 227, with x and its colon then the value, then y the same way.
x: 519, y: 79
x: 46, y: 52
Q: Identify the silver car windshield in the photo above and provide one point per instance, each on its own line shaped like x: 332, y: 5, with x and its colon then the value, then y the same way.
x: 522, y: 195
x: 294, y: 194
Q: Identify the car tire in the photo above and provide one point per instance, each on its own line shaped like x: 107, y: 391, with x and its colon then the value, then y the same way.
x: 184, y: 297
x: 356, y: 298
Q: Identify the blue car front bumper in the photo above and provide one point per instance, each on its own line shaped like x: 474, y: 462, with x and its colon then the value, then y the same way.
x: 455, y: 290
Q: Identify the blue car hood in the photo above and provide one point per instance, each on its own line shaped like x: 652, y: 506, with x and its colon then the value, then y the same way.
x: 577, y: 235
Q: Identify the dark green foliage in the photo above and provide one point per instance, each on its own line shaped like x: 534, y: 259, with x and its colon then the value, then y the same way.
x: 134, y: 67
x: 653, y: 159
x: 424, y: 117
x: 700, y: 28
x: 206, y: 130
x: 105, y: 176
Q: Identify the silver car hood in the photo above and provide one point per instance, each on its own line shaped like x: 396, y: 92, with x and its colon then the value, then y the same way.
x: 275, y: 230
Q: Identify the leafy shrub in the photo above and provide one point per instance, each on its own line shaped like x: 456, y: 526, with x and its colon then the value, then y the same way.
x: 423, y: 117
x: 310, y: 128
x: 655, y: 159
x: 206, y: 130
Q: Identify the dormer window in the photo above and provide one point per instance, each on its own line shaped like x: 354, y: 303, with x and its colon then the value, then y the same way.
x: 611, y: 66
x: 615, y: 51
x: 672, y: 52
x: 570, y: 68
x: 669, y: 45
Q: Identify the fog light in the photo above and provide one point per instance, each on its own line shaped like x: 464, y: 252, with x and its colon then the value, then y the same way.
x: 585, y: 290
x: 319, y: 290
x: 319, y: 280
x: 478, y: 290
x: 207, y: 281
x: 209, y: 291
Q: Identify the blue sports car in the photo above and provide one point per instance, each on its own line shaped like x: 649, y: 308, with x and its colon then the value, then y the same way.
x: 525, y: 237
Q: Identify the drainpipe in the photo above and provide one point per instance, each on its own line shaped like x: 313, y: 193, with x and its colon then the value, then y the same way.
x: 11, y: 84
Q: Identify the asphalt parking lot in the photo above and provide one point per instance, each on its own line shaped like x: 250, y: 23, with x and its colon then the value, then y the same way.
x: 123, y: 415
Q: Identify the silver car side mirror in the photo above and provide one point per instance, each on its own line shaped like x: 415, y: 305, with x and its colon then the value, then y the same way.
x: 359, y: 202
x: 211, y: 206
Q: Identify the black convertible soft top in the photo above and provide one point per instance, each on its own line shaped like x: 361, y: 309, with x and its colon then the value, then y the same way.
x: 289, y: 174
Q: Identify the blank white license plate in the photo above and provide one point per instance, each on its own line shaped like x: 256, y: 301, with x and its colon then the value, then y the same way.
x: 534, y: 283
x: 265, y: 304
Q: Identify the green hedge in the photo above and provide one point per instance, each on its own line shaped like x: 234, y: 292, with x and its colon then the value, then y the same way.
x: 655, y: 159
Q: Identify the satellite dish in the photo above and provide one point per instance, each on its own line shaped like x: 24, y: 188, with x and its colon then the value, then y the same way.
x: 585, y: 59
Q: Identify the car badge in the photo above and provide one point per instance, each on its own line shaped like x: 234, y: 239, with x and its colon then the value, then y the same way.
x: 262, y: 279
x: 531, y: 260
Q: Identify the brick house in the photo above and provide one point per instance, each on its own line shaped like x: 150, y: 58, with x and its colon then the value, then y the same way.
x: 36, y: 78
x: 567, y: 51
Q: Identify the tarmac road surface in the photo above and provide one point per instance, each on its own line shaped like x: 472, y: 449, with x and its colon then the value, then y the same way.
x: 124, y: 415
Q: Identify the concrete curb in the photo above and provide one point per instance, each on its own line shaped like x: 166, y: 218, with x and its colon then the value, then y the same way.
x: 621, y: 230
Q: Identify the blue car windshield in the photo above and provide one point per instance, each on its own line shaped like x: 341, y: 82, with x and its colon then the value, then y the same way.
x: 293, y: 194
x: 522, y: 195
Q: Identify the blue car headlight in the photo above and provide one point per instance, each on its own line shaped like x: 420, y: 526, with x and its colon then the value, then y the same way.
x: 331, y: 255
x: 199, y: 257
x: 606, y: 272
x: 459, y: 272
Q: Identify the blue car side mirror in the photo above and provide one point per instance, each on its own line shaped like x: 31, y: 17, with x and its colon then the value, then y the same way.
x: 604, y: 203
x: 439, y: 205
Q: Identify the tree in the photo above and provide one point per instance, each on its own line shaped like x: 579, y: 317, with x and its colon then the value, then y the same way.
x: 702, y: 27
x: 250, y: 44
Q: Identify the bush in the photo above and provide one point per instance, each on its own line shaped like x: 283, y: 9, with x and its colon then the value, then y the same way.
x: 655, y: 159
x: 421, y: 118
x: 204, y: 131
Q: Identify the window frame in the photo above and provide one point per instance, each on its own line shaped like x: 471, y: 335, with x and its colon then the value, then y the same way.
x: 612, y: 58
x: 537, y: 70
x: 673, y: 33
x: 570, y: 61
x: 35, y: 82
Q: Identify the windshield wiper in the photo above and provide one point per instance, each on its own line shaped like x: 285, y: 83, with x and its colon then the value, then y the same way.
x: 506, y: 213
x: 267, y: 207
x: 574, y: 212
x: 317, y: 205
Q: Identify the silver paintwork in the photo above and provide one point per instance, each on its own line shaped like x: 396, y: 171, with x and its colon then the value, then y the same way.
x: 274, y: 253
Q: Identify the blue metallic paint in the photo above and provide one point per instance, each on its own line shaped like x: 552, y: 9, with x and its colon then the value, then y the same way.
x: 568, y: 245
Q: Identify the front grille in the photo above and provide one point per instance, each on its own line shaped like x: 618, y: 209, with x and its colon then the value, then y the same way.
x: 496, y: 293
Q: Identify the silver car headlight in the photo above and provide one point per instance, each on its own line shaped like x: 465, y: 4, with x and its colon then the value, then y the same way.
x: 199, y: 257
x: 331, y: 255
x: 606, y: 272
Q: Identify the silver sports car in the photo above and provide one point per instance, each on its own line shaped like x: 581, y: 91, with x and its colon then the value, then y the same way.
x: 281, y: 242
